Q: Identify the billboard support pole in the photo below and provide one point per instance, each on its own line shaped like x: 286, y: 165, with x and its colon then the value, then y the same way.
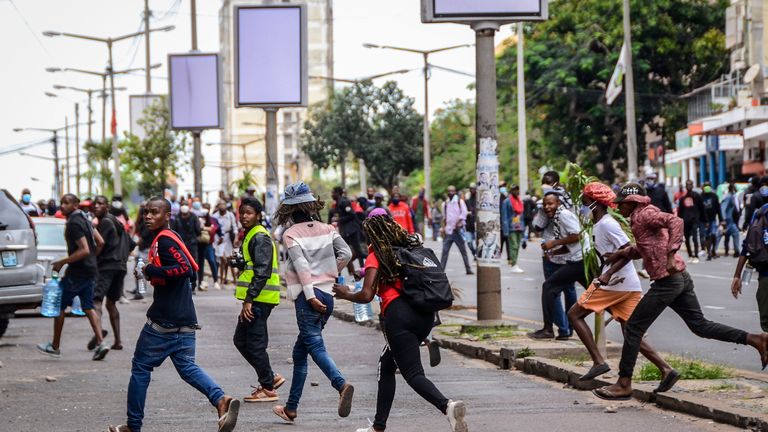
x: 488, y: 274
x: 270, y: 196
x: 197, y: 163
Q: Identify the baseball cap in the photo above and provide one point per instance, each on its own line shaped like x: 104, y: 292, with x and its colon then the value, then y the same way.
x: 630, y: 192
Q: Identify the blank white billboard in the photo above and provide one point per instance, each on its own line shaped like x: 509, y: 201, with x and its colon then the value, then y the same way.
x: 271, y: 56
x: 139, y: 103
x: 193, y: 89
x: 486, y: 7
x: 483, y: 10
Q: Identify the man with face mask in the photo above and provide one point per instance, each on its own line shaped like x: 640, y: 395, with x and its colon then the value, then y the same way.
x: 690, y: 209
x: 711, y: 217
x: 754, y: 198
x: 400, y: 211
x: 187, y: 225
x: 454, y: 221
x: 512, y: 226
x: 657, y: 193
x: 27, y: 205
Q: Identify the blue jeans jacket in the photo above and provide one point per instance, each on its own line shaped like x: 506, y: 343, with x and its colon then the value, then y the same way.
x: 310, y: 343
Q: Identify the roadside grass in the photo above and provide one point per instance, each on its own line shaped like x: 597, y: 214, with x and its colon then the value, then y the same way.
x: 689, y: 369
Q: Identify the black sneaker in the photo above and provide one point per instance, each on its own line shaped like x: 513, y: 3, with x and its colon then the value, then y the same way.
x: 92, y: 343
x: 434, y: 353
x: 542, y: 334
x: 101, y: 352
x: 563, y: 337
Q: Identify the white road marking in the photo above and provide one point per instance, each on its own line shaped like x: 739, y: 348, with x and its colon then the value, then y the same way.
x: 714, y: 307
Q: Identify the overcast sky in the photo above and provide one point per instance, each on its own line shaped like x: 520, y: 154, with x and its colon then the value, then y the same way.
x: 27, y: 54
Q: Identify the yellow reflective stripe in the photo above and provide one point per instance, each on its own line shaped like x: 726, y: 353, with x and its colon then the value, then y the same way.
x: 271, y: 288
x: 243, y: 283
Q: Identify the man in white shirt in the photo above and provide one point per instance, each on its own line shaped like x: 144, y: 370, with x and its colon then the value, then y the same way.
x: 619, y: 295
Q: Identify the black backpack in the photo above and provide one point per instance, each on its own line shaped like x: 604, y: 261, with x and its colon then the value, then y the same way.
x: 425, y: 285
x: 754, y: 243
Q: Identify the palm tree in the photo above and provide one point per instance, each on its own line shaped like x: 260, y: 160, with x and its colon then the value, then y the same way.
x: 242, y: 184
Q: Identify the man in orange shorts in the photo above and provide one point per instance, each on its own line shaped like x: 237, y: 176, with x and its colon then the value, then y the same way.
x: 618, y: 293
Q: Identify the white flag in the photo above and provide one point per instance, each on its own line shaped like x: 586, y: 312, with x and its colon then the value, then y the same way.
x: 616, y: 83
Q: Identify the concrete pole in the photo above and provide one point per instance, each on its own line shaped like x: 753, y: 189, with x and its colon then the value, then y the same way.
x: 66, y: 154
x: 522, y: 151
x: 56, y: 172
x: 488, y: 272
x: 77, y: 149
x: 629, y: 95
x: 103, y: 108
x: 427, y: 141
x: 271, y: 144
x: 117, y: 177
x: 90, y: 139
x: 148, y: 76
x: 197, y: 157
x: 363, y: 177
x: 193, y: 12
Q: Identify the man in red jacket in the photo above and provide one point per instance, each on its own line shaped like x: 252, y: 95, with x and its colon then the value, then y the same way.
x: 401, y: 213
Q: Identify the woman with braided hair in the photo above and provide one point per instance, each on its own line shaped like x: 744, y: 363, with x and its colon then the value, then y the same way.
x: 618, y: 294
x: 403, y: 326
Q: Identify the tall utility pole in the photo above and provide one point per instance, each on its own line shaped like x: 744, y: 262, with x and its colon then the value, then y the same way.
x: 148, y: 77
x: 522, y: 150
x: 66, y: 154
x: 488, y: 274
x: 197, y: 153
x: 629, y: 97
x: 77, y: 148
x: 272, y: 182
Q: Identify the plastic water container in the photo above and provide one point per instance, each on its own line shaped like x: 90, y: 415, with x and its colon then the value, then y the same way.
x: 363, y: 312
x: 51, y: 307
x: 77, y: 308
x: 142, y: 284
x: 746, y: 277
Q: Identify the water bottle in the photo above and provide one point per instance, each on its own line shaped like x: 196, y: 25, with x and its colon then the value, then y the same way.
x: 51, y: 307
x: 363, y: 312
x: 140, y: 278
x: 77, y: 309
x: 746, y: 277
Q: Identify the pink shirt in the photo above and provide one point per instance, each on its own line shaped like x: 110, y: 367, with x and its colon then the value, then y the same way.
x: 657, y: 234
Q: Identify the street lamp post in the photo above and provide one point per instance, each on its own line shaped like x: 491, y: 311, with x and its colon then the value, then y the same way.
x: 427, y: 144
x: 118, y: 185
x: 360, y: 161
x: 243, y: 146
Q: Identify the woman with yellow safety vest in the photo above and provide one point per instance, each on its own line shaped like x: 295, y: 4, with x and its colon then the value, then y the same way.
x: 258, y: 286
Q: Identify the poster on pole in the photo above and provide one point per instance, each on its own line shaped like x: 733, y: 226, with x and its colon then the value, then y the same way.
x: 193, y: 90
x: 139, y: 103
x: 468, y: 11
x: 271, y: 56
x: 488, y: 223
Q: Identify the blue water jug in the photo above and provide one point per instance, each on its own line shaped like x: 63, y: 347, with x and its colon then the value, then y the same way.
x: 363, y: 312
x: 77, y: 309
x: 51, y: 307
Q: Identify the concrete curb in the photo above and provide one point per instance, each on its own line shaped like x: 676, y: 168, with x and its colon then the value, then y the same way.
x: 554, y: 370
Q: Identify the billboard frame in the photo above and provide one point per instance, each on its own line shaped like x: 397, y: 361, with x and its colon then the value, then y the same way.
x: 219, y: 113
x: 428, y: 15
x: 145, y: 96
x: 303, y: 40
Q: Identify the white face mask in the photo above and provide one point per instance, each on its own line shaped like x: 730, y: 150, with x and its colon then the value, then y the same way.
x: 184, y: 209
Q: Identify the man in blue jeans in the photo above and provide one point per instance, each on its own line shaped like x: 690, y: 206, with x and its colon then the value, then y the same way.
x: 171, y: 324
x: 83, y: 244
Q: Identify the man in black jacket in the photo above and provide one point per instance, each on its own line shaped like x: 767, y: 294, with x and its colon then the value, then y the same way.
x: 710, y: 217
x: 690, y: 210
x: 350, y: 228
x: 753, y: 200
x: 187, y: 225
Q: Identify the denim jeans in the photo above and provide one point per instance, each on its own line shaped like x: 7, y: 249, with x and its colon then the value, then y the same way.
x: 152, y: 349
x: 558, y: 315
x: 458, y: 239
x: 731, y: 231
x: 310, y: 343
x: 676, y: 292
x: 470, y: 238
x: 206, y: 253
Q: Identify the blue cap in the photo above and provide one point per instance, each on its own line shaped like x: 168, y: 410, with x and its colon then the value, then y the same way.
x: 298, y: 193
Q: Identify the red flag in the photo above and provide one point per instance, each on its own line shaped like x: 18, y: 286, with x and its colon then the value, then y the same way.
x: 114, y: 123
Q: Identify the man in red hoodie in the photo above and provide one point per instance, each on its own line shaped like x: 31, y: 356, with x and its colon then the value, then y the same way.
x: 401, y: 213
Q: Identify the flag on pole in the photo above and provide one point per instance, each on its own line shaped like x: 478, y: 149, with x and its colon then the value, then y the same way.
x: 616, y: 83
x: 113, y: 126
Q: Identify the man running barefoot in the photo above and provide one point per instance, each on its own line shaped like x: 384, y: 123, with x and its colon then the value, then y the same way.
x: 658, y: 237
x: 171, y: 324
x: 617, y: 290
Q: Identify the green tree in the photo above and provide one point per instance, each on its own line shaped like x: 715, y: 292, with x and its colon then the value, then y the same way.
x: 678, y: 45
x: 242, y: 184
x: 376, y: 124
x: 159, y: 155
x: 99, y: 154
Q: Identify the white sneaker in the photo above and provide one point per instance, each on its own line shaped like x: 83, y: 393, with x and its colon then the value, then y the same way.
x: 216, y: 286
x: 695, y: 261
x: 203, y: 286
x: 517, y: 269
x: 368, y: 429
x: 456, y: 412
x: 124, y: 300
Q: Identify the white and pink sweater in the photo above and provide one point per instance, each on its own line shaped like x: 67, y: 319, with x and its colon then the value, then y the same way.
x: 316, y: 255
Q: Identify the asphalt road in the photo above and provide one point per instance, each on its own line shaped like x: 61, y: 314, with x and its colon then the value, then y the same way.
x: 712, y: 280
x: 88, y: 395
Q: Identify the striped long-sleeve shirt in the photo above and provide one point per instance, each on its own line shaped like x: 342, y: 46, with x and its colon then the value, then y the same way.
x: 316, y: 255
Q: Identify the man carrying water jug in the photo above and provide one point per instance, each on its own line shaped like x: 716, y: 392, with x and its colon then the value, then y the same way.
x: 83, y: 244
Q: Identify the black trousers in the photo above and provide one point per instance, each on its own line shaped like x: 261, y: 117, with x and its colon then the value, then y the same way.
x: 252, y: 338
x: 690, y: 229
x: 355, y: 241
x: 565, y: 276
x: 404, y: 329
x: 676, y: 292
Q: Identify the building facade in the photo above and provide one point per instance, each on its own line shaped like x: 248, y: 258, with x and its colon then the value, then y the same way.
x: 244, y: 147
x: 728, y: 118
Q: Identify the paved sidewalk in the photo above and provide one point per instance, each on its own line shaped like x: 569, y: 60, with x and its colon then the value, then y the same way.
x: 88, y: 395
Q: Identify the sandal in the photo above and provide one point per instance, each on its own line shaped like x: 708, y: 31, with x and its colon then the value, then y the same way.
x: 116, y: 347
x: 668, y: 382
x: 595, y: 371
x: 281, y: 412
x: 228, y: 421
x: 345, y: 400
x: 602, y: 393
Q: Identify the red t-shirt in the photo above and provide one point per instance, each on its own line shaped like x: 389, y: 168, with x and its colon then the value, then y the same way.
x: 387, y: 291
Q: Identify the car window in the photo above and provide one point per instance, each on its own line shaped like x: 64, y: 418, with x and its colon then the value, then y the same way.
x: 50, y: 235
x: 12, y: 217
